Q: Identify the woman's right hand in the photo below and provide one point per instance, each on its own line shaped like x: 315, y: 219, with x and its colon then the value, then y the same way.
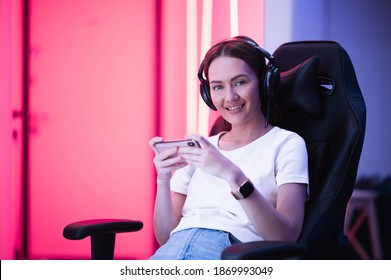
x: 168, y: 206
x: 167, y: 161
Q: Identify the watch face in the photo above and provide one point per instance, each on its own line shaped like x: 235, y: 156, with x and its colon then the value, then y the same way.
x: 246, y: 189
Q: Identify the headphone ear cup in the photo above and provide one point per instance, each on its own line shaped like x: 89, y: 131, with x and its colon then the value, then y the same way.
x: 204, y: 88
x: 205, y: 94
x: 272, y: 80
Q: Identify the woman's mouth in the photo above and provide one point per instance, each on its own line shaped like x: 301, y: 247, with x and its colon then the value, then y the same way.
x: 234, y: 108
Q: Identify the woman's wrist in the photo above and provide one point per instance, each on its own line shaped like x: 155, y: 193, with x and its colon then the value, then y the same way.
x: 236, y: 178
x: 163, y: 179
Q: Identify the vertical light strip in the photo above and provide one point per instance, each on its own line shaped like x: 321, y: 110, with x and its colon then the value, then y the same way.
x: 191, y: 66
x: 206, y: 41
x: 234, y: 18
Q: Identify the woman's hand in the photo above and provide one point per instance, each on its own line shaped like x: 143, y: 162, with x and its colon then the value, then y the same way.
x: 209, y: 159
x: 167, y: 161
x: 168, y: 206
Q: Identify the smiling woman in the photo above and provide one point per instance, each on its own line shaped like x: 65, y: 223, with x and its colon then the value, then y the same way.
x: 234, y: 89
x: 246, y: 199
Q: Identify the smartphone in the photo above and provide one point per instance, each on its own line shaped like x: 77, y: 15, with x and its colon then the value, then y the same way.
x: 164, y: 145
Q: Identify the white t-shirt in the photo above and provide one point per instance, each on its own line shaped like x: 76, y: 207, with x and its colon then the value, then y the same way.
x: 276, y: 158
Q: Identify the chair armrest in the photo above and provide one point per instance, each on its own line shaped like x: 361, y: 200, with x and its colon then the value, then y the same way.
x: 102, y: 232
x: 82, y: 229
x: 264, y: 250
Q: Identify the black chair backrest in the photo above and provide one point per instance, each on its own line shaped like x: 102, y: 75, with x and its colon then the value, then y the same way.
x: 320, y: 99
x: 334, y: 141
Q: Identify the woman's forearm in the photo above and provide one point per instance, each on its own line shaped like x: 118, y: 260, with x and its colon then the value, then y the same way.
x: 166, y: 217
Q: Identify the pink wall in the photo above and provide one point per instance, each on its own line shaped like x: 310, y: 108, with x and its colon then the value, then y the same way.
x: 5, y: 124
x: 92, y: 106
x: 97, y: 72
x: 10, y: 128
x: 173, y: 69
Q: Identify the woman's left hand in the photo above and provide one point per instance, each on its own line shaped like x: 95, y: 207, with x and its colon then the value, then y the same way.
x: 208, y: 158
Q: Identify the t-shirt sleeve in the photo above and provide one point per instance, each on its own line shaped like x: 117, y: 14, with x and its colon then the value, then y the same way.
x: 292, y: 161
x: 181, y: 178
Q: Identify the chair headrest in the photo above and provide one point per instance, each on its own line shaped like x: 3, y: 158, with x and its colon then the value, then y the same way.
x: 299, y: 89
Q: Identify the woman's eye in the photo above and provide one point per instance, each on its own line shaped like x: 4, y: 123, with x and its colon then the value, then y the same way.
x: 217, y: 87
x: 241, y: 82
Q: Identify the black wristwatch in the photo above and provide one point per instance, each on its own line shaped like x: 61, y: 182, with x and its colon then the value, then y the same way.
x: 244, y: 190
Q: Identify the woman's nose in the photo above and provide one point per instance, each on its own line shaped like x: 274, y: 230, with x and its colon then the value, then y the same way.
x: 231, y: 94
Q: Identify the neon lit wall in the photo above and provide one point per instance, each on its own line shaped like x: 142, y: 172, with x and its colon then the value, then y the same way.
x: 92, y: 114
x: 11, y: 26
x: 104, y: 77
x: 107, y: 75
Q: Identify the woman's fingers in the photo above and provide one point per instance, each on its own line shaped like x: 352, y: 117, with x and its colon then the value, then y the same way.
x: 153, y: 141
x: 200, y: 139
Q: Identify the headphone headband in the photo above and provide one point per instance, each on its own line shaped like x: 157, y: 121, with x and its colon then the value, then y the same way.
x: 265, y: 53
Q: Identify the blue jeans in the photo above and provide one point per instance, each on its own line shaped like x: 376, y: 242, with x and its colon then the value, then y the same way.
x: 195, y: 244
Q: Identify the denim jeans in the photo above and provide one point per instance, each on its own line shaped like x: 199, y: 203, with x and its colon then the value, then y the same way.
x: 195, y: 244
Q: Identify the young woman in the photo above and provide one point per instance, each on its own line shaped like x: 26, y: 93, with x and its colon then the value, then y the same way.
x: 245, y: 184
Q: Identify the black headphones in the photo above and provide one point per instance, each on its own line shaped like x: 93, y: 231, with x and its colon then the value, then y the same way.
x: 271, y: 79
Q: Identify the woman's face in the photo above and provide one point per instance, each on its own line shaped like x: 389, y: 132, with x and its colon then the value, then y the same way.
x: 234, y: 89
